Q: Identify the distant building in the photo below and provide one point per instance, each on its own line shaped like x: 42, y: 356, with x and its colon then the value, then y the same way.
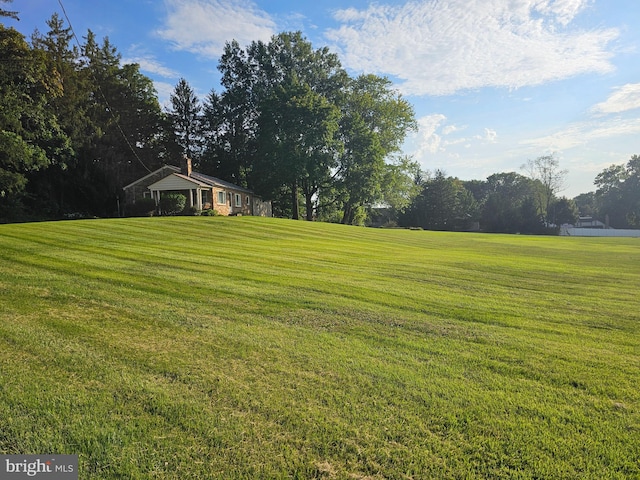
x: 589, y: 222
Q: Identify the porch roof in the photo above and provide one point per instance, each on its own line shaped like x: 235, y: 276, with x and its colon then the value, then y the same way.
x: 177, y: 181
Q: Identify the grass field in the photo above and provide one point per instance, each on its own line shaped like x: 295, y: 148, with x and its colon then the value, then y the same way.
x: 245, y: 347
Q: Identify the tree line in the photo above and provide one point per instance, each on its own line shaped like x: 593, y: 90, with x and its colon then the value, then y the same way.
x: 76, y: 125
x: 526, y: 202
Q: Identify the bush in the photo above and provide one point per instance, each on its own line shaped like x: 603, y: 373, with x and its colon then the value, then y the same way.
x: 144, y: 207
x: 172, y: 203
x: 209, y: 213
x: 191, y: 212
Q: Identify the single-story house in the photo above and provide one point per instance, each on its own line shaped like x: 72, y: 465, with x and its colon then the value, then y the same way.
x: 589, y: 222
x: 202, y: 191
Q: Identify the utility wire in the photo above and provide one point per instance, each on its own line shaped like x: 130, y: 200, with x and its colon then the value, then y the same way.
x: 109, y: 109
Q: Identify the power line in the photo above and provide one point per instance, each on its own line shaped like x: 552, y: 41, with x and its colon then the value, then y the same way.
x: 109, y: 109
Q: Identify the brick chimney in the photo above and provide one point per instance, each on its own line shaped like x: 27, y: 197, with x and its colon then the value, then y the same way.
x: 186, y: 166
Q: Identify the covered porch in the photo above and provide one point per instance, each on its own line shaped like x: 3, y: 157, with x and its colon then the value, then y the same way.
x: 199, y: 194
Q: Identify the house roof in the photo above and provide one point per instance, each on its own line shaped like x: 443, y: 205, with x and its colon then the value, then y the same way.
x: 176, y: 181
x: 216, y: 182
x: 196, y: 178
x: 170, y: 167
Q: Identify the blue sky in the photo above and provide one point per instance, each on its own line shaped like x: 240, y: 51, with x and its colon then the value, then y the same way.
x: 493, y: 82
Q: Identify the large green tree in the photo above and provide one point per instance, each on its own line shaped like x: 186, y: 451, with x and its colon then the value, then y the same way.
x: 374, y: 122
x: 291, y: 122
x: 30, y: 136
x: 292, y: 97
x: 401, y: 183
x: 295, y: 143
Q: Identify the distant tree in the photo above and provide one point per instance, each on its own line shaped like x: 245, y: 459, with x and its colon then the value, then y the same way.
x: 478, y: 188
x: 632, y: 191
x: 125, y: 136
x: 618, y: 194
x: 546, y: 170
x: 308, y: 131
x: 229, y: 137
x: 587, y: 204
x: 230, y: 118
x: 510, y: 205
x: 563, y: 210
x: 442, y: 204
x: 399, y: 186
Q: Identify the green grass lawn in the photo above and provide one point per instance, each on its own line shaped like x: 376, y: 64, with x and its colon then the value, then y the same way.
x: 246, y: 347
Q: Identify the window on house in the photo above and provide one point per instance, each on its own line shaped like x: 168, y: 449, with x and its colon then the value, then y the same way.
x: 248, y: 200
x: 238, y: 200
x: 146, y: 194
x: 222, y: 198
x: 206, y: 198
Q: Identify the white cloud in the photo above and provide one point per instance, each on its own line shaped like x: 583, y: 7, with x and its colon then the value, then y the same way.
x: 449, y: 129
x: 564, y: 11
x: 439, y: 48
x: 164, y: 93
x: 582, y: 133
x: 434, y: 136
x: 490, y: 135
x: 426, y: 140
x: 204, y: 26
x: 150, y: 65
x: 623, y: 99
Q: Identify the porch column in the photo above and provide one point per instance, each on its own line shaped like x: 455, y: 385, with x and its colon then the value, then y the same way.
x: 191, y: 198
x: 199, y: 198
x: 155, y: 194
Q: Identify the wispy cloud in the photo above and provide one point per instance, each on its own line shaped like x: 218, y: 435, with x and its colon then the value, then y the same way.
x: 622, y: 99
x: 204, y: 26
x: 150, y: 64
x: 582, y: 133
x: 439, y: 48
x: 490, y: 136
x: 164, y: 90
x: 436, y: 136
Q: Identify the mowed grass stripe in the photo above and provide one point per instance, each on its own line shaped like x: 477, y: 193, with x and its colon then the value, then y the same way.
x: 248, y: 347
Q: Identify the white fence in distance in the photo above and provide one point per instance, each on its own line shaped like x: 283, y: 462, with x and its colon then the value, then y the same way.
x: 598, y: 232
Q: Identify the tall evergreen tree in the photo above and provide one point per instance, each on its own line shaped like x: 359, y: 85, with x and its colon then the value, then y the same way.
x: 186, y: 119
